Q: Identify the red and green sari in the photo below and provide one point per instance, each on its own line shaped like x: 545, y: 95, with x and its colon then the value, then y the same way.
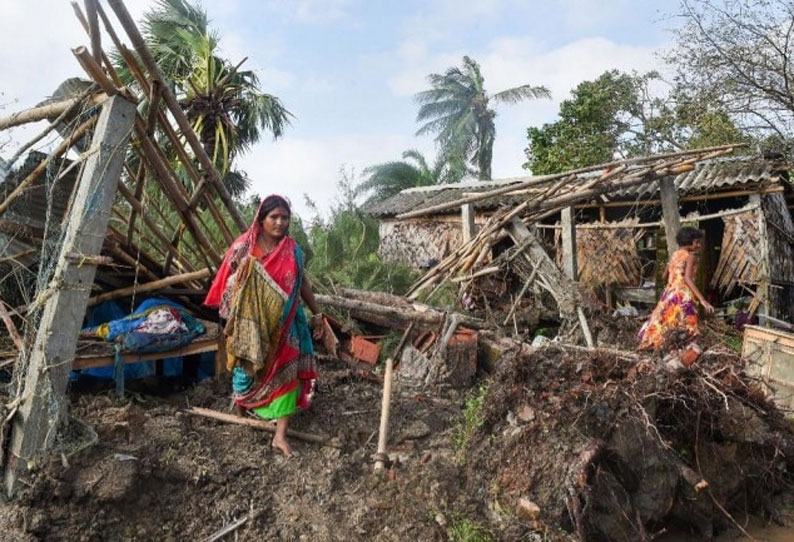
x: 268, y: 342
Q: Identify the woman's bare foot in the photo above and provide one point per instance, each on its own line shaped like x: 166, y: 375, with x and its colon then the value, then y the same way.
x: 283, y: 446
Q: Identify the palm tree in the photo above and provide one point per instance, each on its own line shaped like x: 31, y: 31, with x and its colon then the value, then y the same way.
x: 387, y: 179
x: 224, y: 104
x: 457, y: 109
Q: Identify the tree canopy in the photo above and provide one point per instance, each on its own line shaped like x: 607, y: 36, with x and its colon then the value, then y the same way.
x: 619, y: 115
x: 228, y: 110
x: 738, y: 53
x: 459, y: 110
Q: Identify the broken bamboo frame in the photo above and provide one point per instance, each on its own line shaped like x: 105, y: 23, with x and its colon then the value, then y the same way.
x: 64, y: 146
x: 139, y: 43
x: 263, y: 425
x: 155, y: 94
x: 150, y: 286
x: 385, y: 406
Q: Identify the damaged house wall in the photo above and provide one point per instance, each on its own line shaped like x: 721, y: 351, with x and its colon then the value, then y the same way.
x: 418, y: 243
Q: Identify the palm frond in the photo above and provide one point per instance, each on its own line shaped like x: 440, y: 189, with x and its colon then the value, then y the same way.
x: 518, y: 94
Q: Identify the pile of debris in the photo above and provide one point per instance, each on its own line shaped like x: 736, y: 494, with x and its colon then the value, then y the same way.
x: 613, y: 446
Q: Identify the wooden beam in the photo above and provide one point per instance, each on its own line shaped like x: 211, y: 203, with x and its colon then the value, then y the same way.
x: 467, y: 221
x: 569, y: 263
x: 564, y: 290
x: 42, y: 405
x: 195, y: 347
x: 62, y: 147
x: 150, y: 286
x: 93, y: 30
x: 670, y: 213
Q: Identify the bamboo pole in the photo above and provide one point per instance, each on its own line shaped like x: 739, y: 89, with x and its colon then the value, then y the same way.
x: 263, y: 425
x: 64, y: 145
x: 44, y: 112
x: 153, y: 227
x: 93, y: 29
x: 179, y: 116
x: 167, y: 223
x: 150, y: 152
x: 94, y: 70
x: 150, y: 286
x: 385, y: 405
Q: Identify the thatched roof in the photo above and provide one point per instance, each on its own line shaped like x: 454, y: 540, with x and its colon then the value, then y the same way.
x: 716, y: 175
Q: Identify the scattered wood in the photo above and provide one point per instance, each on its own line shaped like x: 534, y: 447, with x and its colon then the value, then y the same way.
x: 264, y: 425
x: 233, y: 526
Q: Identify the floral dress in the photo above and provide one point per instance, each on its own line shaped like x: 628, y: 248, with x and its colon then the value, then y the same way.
x: 677, y: 309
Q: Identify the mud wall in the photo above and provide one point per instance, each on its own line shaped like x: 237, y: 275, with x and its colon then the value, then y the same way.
x: 417, y: 243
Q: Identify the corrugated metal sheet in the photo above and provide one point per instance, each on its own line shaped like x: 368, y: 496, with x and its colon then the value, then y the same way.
x: 707, y: 177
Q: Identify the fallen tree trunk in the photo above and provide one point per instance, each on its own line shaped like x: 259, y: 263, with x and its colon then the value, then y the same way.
x: 401, y: 317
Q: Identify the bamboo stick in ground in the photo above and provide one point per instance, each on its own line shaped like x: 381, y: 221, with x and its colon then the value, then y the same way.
x: 264, y: 425
x: 385, y: 406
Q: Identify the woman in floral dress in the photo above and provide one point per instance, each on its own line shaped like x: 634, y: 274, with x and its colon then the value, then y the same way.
x: 677, y: 309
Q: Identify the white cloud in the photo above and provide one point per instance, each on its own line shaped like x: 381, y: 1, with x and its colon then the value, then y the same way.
x: 295, y: 166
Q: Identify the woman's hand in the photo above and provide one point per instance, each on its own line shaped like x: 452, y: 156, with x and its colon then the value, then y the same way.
x: 708, y: 307
x: 317, y: 326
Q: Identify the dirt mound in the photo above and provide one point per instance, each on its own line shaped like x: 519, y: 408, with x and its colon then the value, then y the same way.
x: 157, y: 473
x: 614, y: 448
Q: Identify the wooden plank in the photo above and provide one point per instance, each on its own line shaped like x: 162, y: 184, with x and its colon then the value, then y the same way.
x: 569, y: 263
x: 265, y: 425
x: 35, y: 424
x: 764, y: 275
x: 467, y: 221
x: 196, y: 347
x: 670, y: 213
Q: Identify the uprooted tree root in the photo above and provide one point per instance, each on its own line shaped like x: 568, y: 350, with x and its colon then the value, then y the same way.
x: 613, y: 448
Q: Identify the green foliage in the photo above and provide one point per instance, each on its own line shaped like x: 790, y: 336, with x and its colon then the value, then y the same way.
x: 458, y: 109
x: 471, y: 419
x: 345, y: 248
x: 466, y: 530
x: 387, y: 179
x: 620, y: 115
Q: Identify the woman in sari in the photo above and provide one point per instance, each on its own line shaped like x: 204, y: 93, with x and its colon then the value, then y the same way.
x: 677, y: 308
x: 269, y: 348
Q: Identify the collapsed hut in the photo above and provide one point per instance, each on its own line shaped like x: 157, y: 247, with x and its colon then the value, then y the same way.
x: 611, y: 227
x: 128, y: 203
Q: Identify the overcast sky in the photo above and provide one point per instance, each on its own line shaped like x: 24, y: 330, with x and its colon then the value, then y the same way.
x: 348, y: 69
